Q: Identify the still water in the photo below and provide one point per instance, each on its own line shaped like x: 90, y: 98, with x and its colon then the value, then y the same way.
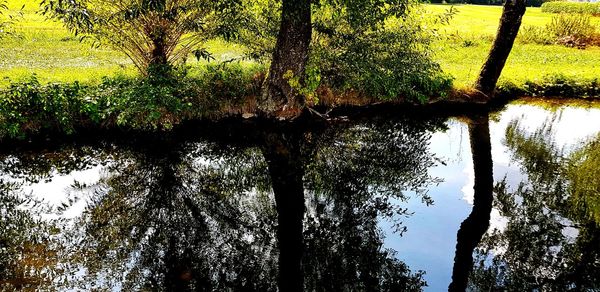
x: 505, y: 201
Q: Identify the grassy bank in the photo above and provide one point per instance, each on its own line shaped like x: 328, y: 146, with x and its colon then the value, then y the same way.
x: 50, y: 81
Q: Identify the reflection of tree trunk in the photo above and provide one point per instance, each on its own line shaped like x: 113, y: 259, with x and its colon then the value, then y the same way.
x: 474, y: 227
x: 507, y: 32
x: 287, y: 170
x: 289, y: 57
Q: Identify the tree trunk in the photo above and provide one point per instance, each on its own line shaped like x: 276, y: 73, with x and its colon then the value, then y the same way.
x: 289, y: 58
x: 474, y: 227
x: 510, y: 22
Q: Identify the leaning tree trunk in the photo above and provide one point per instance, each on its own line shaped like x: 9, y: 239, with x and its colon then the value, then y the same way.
x: 289, y: 58
x: 510, y: 22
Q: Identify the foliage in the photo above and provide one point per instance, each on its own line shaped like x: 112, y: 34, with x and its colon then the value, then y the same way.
x: 31, y: 107
x: 387, y: 57
x: 571, y: 30
x: 6, y: 24
x: 161, y: 102
x: 150, y: 31
x: 370, y: 46
x: 259, y: 30
x: 554, y: 86
x: 571, y: 7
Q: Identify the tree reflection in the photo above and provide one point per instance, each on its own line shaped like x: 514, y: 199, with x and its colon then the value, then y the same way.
x: 289, y: 209
x: 474, y: 227
x: 552, y: 239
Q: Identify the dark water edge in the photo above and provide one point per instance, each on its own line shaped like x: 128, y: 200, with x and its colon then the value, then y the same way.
x: 308, y: 205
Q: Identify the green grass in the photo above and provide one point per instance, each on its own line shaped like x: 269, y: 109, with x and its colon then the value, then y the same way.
x: 472, y: 30
x: 47, y: 49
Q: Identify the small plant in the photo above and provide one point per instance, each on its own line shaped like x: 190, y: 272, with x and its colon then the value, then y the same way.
x: 149, y: 32
x: 28, y: 107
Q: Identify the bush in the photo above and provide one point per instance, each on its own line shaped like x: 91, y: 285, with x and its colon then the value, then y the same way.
x: 148, y: 32
x: 552, y: 86
x: 30, y: 107
x: 572, y: 29
x: 382, y: 61
x: 571, y: 7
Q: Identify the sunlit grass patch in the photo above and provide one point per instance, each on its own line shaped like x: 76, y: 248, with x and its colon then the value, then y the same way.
x: 468, y: 38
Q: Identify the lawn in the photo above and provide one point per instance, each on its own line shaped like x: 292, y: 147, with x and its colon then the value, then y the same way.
x: 45, y: 48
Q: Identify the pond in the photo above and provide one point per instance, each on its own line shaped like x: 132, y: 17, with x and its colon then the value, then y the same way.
x: 503, y: 201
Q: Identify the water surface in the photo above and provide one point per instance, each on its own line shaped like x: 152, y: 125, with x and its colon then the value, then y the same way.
x: 509, y: 200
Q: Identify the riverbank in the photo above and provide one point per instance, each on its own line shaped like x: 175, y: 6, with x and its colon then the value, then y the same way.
x: 31, y: 110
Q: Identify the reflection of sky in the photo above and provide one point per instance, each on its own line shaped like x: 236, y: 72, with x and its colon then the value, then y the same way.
x: 430, y: 242
x: 59, y: 190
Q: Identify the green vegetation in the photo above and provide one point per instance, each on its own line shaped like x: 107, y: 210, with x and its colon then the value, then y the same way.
x: 151, y: 33
x: 571, y: 7
x: 50, y: 51
x: 385, y: 58
x: 467, y: 40
x: 47, y: 49
x: 390, y: 55
x: 29, y: 107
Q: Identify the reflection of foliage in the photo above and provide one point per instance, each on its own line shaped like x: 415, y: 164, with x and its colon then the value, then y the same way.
x: 36, y: 166
x: 180, y: 224
x: 373, y: 164
x: 550, y: 242
x: 355, y: 179
x: 175, y: 215
x: 584, y: 178
x: 27, y: 257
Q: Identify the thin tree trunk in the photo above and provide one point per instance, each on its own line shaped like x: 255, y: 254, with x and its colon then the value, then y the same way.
x: 289, y: 58
x: 474, y: 227
x: 510, y: 22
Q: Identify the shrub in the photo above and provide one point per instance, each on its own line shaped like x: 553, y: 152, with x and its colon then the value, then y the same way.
x: 552, y: 86
x: 7, y: 20
x: 382, y: 61
x: 572, y: 29
x: 571, y: 7
x: 563, y: 86
x: 28, y: 106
